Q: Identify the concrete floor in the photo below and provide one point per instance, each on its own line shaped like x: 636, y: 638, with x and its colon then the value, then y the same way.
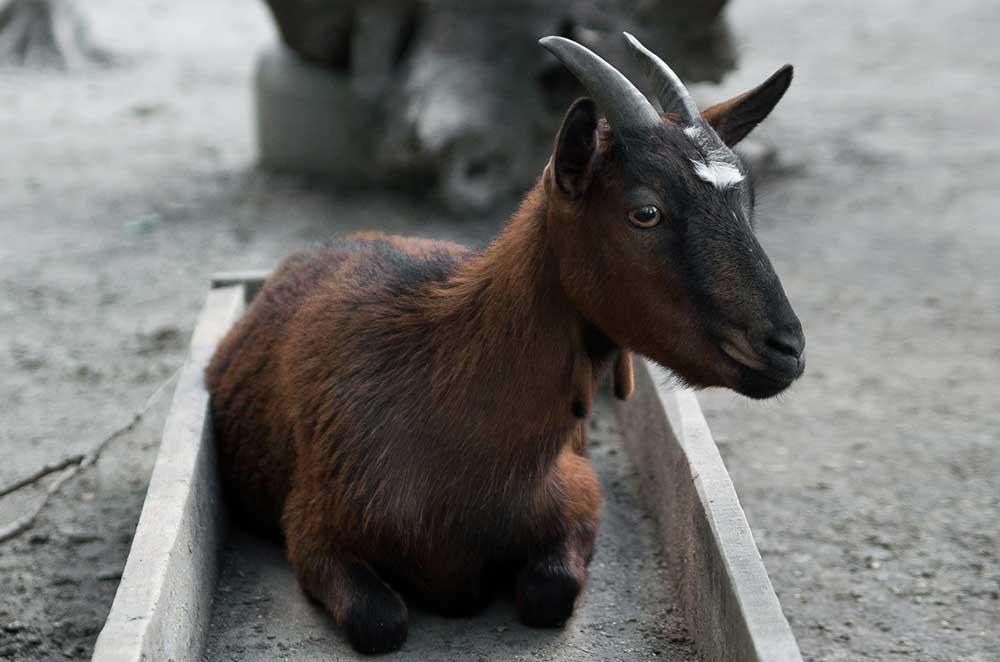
x: 872, y: 487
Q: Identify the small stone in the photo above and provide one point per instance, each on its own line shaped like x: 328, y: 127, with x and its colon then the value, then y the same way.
x: 14, y: 627
x: 143, y: 224
x: 147, y: 109
x: 77, y: 537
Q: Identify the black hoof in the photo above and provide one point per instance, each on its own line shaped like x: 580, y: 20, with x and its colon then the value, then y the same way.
x: 546, y: 599
x: 378, y: 625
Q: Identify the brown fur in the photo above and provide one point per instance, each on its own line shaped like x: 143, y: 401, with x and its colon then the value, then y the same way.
x: 422, y: 426
x: 408, y: 414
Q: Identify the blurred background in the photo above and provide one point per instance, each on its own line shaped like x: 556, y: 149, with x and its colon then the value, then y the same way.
x: 145, y: 144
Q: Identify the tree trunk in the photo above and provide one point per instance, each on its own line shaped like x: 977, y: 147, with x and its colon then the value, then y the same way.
x: 460, y: 89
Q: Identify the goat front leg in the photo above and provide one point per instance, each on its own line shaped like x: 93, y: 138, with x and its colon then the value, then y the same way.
x: 548, y: 585
x: 373, y: 615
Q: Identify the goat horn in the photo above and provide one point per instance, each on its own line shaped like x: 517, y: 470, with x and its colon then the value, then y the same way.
x: 622, y: 102
x: 670, y: 91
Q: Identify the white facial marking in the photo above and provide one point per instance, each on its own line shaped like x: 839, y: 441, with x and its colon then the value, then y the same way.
x: 718, y: 166
x: 719, y: 174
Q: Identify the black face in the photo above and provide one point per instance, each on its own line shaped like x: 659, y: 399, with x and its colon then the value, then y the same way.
x: 655, y: 240
x: 684, y: 187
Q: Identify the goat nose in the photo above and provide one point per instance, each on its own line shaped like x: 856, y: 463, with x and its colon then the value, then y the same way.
x: 788, y: 343
x: 781, y: 348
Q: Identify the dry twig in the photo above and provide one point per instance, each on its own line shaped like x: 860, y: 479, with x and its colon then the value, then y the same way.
x: 42, y: 473
x: 70, y: 466
x: 23, y: 523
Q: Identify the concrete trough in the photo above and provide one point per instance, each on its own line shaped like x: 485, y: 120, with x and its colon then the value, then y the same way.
x: 676, y: 574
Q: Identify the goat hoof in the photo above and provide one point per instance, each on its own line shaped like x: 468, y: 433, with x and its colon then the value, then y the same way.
x: 378, y: 624
x: 546, y: 599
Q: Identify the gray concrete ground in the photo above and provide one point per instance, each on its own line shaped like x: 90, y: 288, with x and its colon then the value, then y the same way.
x: 873, y: 487
x: 626, y: 613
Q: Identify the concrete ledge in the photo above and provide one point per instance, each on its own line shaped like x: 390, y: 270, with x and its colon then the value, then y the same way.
x: 250, y: 280
x: 164, y: 600
x: 730, y: 604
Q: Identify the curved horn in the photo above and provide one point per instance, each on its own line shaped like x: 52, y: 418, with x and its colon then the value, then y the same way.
x: 670, y: 91
x: 622, y: 102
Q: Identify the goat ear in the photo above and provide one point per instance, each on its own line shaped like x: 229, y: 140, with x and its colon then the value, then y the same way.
x: 735, y: 118
x: 624, y: 379
x: 575, y: 147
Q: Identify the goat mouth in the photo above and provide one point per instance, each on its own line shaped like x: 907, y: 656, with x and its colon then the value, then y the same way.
x: 742, y: 355
x: 766, y: 376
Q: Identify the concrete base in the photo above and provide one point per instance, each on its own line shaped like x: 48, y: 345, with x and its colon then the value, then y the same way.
x: 309, y: 120
x: 706, y: 591
x: 165, y: 595
x: 729, y: 602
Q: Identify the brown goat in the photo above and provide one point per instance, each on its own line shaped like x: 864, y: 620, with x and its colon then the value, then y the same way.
x: 408, y: 413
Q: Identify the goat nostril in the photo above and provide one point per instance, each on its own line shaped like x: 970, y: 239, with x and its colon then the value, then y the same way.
x: 789, y: 345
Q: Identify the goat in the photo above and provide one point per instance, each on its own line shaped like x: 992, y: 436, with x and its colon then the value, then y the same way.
x: 408, y: 414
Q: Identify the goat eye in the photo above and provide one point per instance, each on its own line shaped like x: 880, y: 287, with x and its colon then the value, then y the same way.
x: 645, y: 217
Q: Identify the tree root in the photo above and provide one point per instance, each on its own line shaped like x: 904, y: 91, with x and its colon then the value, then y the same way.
x: 46, y: 33
x: 70, y: 466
